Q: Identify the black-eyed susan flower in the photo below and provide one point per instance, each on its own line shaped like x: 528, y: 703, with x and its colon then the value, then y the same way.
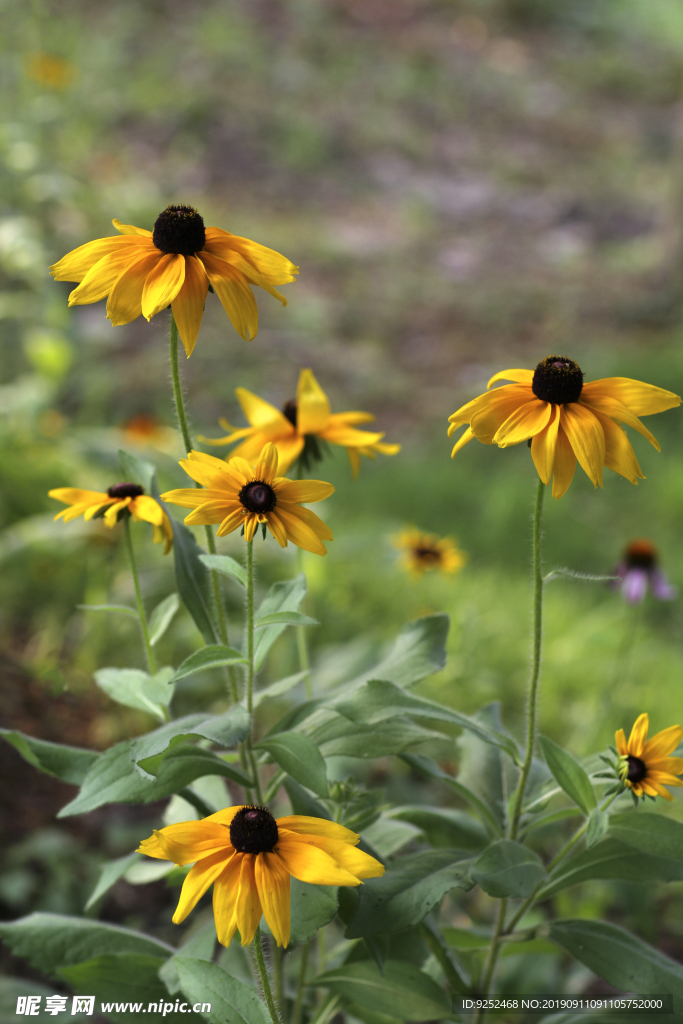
x: 297, y: 429
x: 564, y: 419
x: 425, y: 551
x: 249, y: 857
x: 119, y: 499
x: 143, y: 272
x: 237, y: 493
x: 639, y: 571
x: 644, y: 765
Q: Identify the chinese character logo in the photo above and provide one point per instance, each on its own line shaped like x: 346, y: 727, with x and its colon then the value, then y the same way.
x: 83, y: 1004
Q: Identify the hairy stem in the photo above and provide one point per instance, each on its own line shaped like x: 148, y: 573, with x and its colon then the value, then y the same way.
x: 301, y: 984
x: 301, y: 640
x: 265, y: 980
x: 142, y: 617
x: 250, y: 669
x: 492, y: 957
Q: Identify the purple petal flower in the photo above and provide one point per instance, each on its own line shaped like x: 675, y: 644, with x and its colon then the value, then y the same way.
x: 661, y: 588
x: 634, y: 585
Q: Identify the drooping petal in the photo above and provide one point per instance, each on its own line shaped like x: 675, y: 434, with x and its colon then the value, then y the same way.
x: 252, y: 275
x: 146, y: 508
x: 225, y: 892
x: 230, y: 523
x: 313, y: 405
x: 350, y: 419
x: 564, y: 464
x: 310, y: 864
x: 587, y: 439
x: 464, y: 439
x: 248, y: 910
x: 76, y: 264
x: 110, y: 516
x: 262, y: 414
x: 187, y: 841
x: 619, y: 454
x: 523, y: 423
x: 663, y: 743
x: 518, y: 376
x: 186, y: 497
x: 201, y: 876
x: 302, y: 491
x: 77, y: 496
x: 163, y: 284
x: 188, y: 305
x: 288, y: 449
x: 277, y: 269
x: 642, y: 399
x: 301, y: 531
x: 349, y: 437
x: 130, y: 229
x: 251, y: 523
x: 237, y: 299
x: 272, y: 883
x: 212, y: 512
x: 653, y: 788
x: 266, y: 467
x: 543, y: 446
x: 305, y: 825
x: 353, y: 860
x: 125, y: 298
x: 100, y: 279
x: 636, y: 740
x: 634, y: 585
x: 490, y: 417
x: 618, y: 411
x: 354, y: 454
x: 277, y: 528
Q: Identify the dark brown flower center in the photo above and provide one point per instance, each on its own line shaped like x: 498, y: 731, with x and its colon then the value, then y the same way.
x: 179, y: 229
x: 289, y: 410
x: 258, y: 497
x: 424, y: 554
x: 558, y: 380
x: 253, y: 830
x: 637, y: 769
x: 640, y: 554
x: 125, y: 490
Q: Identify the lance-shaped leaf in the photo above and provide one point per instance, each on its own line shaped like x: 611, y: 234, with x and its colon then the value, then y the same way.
x: 429, y: 768
x: 161, y: 617
x: 652, y: 833
x: 299, y: 757
x: 182, y: 763
x: 444, y: 827
x: 120, y: 609
x: 418, y: 651
x: 70, y: 764
x: 285, y: 619
x: 285, y: 596
x: 569, y: 775
x: 138, y: 471
x: 612, y: 858
x: 212, y: 656
x: 110, y: 873
x: 342, y: 738
x: 232, y: 1001
x: 481, y: 769
x: 311, y: 908
x: 621, y: 958
x: 403, y: 990
x: 137, y: 689
x: 278, y: 688
x: 226, y: 730
x: 194, y: 581
x: 226, y: 566
x: 407, y: 892
x: 200, y: 946
x: 507, y: 868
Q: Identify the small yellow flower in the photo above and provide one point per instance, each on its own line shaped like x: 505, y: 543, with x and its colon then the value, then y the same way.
x: 108, y: 505
x: 644, y: 765
x: 143, y: 272
x: 249, y: 856
x: 149, y: 431
x: 297, y: 429
x: 425, y: 551
x: 239, y: 494
x: 50, y: 70
x: 565, y: 420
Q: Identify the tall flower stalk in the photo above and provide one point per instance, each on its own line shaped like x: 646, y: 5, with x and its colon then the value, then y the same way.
x: 142, y: 616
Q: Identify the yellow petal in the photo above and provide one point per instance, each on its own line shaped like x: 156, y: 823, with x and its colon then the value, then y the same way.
x: 350, y: 419
x: 188, y: 841
x: 350, y: 437
x: 277, y: 528
x: 76, y: 496
x: 655, y: 775
x: 518, y: 376
x: 309, y: 864
x: 211, y: 512
x: 277, y: 269
x: 354, y: 455
x: 587, y: 439
x: 564, y: 464
x: 305, y: 825
x: 76, y: 264
x: 251, y: 524
x: 112, y: 512
x: 146, y: 508
x: 523, y: 423
x: 636, y: 740
x: 618, y: 411
x: 302, y: 491
x: 266, y: 467
x: 186, y: 497
x: 656, y: 789
x: 313, y: 406
x: 496, y: 407
x: 272, y: 883
x: 225, y: 816
x: 188, y: 305
x: 288, y: 449
x: 101, y: 278
x: 303, y: 531
x: 248, y: 906
x: 163, y: 284
x: 348, y: 857
x: 201, y: 876
x: 642, y: 399
x: 460, y: 443
x: 225, y: 891
x: 252, y: 275
x: 619, y: 455
x: 663, y: 743
x: 125, y: 298
x: 262, y: 414
x: 230, y: 523
x: 235, y: 295
x: 543, y: 446
x: 130, y: 229
x: 620, y: 742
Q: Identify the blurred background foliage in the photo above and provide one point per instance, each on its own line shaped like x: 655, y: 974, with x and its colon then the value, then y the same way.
x: 467, y: 185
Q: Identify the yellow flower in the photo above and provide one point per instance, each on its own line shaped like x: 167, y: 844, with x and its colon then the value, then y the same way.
x: 50, y: 70
x: 425, y: 551
x: 295, y: 431
x: 238, y: 494
x: 249, y: 857
x: 565, y: 419
x: 644, y: 765
x: 117, y: 499
x: 143, y: 272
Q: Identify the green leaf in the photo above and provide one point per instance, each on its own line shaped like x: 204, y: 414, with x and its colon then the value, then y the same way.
x: 138, y: 471
x: 456, y: 973
x: 51, y: 941
x: 208, y: 657
x: 342, y: 738
x: 303, y: 803
x: 110, y: 874
x: 652, y: 833
x: 418, y: 651
x: 507, y: 868
x: 226, y: 566
x: 123, y: 609
x: 161, y: 617
x: 427, y: 767
x: 183, y: 763
x: 232, y: 1002
x: 379, y: 700
x: 70, y: 764
x: 285, y: 619
x: 444, y: 826
x: 597, y: 827
x: 299, y: 757
x: 200, y: 946
x: 136, y: 689
x: 311, y: 908
x: 622, y: 959
x: 106, y: 976
x: 611, y: 858
x: 194, y: 581
x: 225, y: 730
x: 569, y: 775
x: 12, y: 988
x: 278, y: 688
x: 285, y: 596
x: 481, y: 764
x: 403, y: 989
x: 407, y: 892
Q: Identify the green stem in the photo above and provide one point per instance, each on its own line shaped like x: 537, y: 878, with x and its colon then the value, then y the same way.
x: 327, y: 1010
x: 492, y: 957
x: 250, y: 670
x: 535, y: 663
x: 196, y: 801
x: 265, y: 980
x: 301, y: 984
x: 301, y: 641
x: 278, y: 972
x: 151, y: 660
x: 177, y: 388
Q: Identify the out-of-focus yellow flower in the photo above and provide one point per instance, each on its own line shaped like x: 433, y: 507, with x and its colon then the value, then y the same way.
x: 50, y: 70
x: 143, y: 272
x: 425, y: 551
x: 109, y: 505
x: 297, y: 430
x: 644, y: 765
x: 565, y: 420
x: 248, y: 856
x: 149, y: 431
x: 236, y: 494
